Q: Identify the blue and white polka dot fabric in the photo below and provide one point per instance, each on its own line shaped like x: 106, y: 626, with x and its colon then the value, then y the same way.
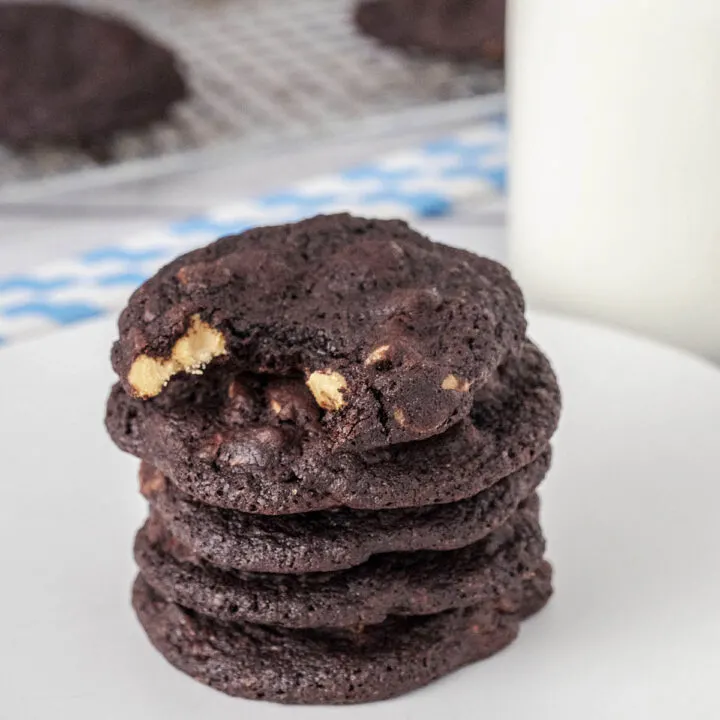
x: 417, y: 183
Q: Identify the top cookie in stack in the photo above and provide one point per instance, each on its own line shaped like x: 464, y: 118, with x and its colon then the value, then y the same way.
x: 341, y: 422
x: 397, y: 338
x: 391, y: 331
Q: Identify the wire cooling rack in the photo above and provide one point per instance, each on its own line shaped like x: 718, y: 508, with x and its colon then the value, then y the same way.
x: 265, y: 69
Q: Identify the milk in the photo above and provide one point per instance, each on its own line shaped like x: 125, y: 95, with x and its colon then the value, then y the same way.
x: 615, y: 162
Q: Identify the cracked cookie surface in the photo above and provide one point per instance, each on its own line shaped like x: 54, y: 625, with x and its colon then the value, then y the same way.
x: 390, y: 332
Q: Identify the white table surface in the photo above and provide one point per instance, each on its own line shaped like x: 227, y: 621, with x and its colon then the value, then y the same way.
x: 630, y: 512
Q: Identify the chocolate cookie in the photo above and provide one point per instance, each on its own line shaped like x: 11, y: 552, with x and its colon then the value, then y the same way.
x: 417, y: 583
x: 332, y: 539
x: 71, y: 77
x: 454, y: 29
x: 333, y: 666
x: 391, y: 332
x: 257, y: 444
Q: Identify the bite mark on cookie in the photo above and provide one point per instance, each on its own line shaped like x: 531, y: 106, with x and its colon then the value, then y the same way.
x: 191, y: 354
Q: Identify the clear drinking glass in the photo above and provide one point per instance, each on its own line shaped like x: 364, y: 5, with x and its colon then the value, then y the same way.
x: 615, y: 162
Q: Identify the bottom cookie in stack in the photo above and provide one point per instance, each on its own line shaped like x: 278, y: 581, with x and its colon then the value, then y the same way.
x: 370, y: 631
x: 338, y: 665
x: 349, y: 426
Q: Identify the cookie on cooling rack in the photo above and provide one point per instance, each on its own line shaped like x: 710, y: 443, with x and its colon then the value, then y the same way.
x: 454, y: 29
x: 73, y: 78
x: 259, y: 445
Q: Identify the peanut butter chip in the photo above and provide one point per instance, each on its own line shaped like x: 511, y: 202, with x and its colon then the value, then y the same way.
x: 191, y: 354
x: 327, y: 387
x: 377, y: 355
x: 151, y: 482
x: 453, y: 382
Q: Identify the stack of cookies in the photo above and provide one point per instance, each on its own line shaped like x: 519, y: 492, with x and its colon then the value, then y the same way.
x: 342, y: 426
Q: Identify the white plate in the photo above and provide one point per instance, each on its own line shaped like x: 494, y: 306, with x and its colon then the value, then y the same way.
x: 631, y: 511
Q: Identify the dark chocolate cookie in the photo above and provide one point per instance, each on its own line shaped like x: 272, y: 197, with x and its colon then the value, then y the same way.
x: 72, y: 77
x: 416, y: 583
x: 391, y: 332
x: 256, y: 444
x: 332, y: 539
x: 334, y: 666
x: 454, y: 29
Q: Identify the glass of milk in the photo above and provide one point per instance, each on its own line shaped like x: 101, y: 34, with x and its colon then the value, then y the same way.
x: 615, y: 162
